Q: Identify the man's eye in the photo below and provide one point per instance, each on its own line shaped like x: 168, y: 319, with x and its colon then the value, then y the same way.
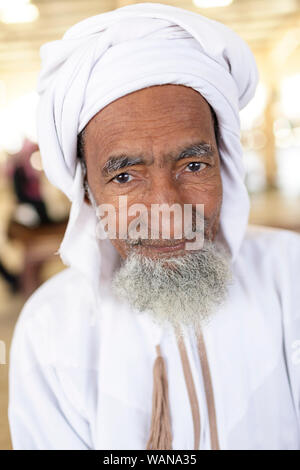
x: 122, y: 178
x: 196, y: 166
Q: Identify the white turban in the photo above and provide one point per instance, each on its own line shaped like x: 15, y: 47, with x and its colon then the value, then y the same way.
x: 112, y: 54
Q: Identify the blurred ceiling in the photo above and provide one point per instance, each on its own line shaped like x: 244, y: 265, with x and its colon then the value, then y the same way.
x: 262, y: 23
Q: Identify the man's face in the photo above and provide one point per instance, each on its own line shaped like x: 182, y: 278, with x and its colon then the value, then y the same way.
x: 133, y: 147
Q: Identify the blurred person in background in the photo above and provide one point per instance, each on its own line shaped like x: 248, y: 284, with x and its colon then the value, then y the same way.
x: 11, y: 251
x: 29, y: 203
x: 26, y: 181
x: 144, y: 102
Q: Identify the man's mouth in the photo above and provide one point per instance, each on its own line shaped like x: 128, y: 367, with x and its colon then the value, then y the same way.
x: 159, y: 247
x: 164, y: 248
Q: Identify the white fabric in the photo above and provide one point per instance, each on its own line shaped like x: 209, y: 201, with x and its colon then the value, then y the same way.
x: 81, y: 362
x: 81, y: 373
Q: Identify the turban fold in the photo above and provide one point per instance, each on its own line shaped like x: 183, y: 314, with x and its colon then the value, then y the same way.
x: 115, y: 53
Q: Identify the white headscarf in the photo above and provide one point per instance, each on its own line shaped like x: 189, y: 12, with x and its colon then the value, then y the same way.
x: 112, y: 54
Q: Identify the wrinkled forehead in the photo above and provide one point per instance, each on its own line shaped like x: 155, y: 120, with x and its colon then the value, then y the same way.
x: 152, y: 112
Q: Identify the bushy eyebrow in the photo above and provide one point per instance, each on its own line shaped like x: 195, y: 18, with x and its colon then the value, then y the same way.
x: 200, y: 150
x: 119, y: 162
x: 114, y: 164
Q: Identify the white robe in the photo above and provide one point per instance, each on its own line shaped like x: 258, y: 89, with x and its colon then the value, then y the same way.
x: 81, y: 366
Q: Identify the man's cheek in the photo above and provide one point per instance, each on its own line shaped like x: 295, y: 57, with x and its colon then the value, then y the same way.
x: 210, y: 197
x: 213, y: 223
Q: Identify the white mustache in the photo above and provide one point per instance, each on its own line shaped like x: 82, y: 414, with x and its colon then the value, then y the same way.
x: 197, y: 226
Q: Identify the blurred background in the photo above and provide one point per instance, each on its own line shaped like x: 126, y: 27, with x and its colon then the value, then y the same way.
x: 33, y: 213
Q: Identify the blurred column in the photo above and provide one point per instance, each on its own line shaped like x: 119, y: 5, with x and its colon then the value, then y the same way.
x: 270, y: 148
x: 273, y: 66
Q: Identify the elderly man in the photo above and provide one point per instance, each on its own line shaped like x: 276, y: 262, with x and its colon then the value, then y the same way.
x: 146, y: 342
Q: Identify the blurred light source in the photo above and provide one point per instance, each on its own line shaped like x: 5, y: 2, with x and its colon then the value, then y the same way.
x: 17, y: 11
x: 254, y: 109
x: 296, y: 131
x: 2, y: 93
x: 26, y: 215
x: 290, y: 100
x: 36, y: 161
x: 212, y: 3
x: 288, y: 163
x: 18, y: 120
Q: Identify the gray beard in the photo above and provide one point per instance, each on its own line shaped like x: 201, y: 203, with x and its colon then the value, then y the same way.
x: 184, y: 290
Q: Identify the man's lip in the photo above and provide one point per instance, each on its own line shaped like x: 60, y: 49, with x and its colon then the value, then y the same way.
x: 164, y: 248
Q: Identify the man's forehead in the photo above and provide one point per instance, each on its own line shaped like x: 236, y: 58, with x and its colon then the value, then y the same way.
x: 159, y: 92
x: 157, y: 100
x: 167, y: 145
x: 156, y: 130
x: 163, y: 145
x: 140, y: 136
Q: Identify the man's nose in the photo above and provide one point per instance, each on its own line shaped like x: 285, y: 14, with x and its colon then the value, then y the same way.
x: 164, y: 190
x: 164, y: 200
